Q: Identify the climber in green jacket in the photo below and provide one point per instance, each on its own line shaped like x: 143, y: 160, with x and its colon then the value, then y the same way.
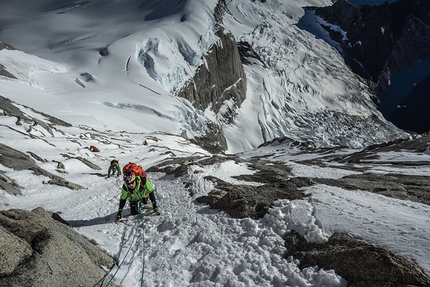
x: 136, y: 190
x: 114, y: 166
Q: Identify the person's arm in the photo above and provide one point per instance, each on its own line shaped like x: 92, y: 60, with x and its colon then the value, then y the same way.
x: 145, y: 187
x: 148, y: 186
x: 124, y: 192
x: 122, y: 201
x: 149, y: 191
x: 121, y: 205
x: 109, y: 170
x: 119, y: 170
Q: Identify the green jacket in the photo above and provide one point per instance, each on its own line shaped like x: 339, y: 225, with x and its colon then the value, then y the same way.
x: 112, y: 169
x: 140, y: 191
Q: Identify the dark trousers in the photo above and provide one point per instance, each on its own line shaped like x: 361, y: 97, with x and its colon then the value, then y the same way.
x: 134, y: 207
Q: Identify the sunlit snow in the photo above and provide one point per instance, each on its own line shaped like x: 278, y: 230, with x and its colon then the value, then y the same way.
x: 62, y: 72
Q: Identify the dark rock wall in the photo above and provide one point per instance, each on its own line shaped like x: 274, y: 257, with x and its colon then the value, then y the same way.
x: 381, y: 40
x: 219, y: 84
x: 414, y: 112
x: 221, y: 78
x: 39, y: 251
x: 360, y: 263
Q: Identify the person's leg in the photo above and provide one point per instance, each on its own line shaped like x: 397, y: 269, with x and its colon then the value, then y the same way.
x: 134, y: 207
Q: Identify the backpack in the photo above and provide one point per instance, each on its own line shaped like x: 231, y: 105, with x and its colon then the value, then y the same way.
x: 114, y: 162
x: 135, y: 169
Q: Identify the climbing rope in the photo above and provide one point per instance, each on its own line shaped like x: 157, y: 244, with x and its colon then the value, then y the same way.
x: 141, y: 227
x: 126, y: 254
x: 123, y: 240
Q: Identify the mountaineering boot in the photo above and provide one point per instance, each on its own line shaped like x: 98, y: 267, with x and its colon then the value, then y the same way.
x: 118, y: 216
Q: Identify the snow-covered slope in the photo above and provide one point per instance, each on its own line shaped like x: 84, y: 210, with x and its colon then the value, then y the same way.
x: 126, y: 59
x: 191, y: 244
x: 306, y: 92
x: 109, y: 68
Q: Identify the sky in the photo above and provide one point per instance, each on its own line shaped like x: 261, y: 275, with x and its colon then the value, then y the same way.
x: 189, y: 244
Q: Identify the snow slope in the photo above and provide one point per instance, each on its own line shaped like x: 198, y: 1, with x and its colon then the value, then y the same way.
x: 82, y: 62
x: 129, y: 69
x: 190, y: 244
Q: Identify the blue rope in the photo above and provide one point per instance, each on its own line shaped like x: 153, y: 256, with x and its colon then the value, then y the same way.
x: 123, y: 260
x: 118, y: 256
x: 142, y: 227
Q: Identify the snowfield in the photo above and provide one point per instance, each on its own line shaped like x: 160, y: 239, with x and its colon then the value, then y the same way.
x: 88, y: 63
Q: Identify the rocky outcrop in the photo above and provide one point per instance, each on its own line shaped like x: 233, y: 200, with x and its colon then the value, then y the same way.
x: 380, y: 40
x: 241, y: 200
x: 219, y: 84
x: 219, y: 80
x: 3, y: 71
x: 6, y: 46
x: 37, y: 250
x: 17, y: 160
x: 360, y: 263
x: 10, y: 109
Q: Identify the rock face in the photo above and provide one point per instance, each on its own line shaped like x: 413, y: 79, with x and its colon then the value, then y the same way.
x: 360, y: 263
x: 413, y: 112
x: 38, y: 251
x: 380, y: 40
x: 219, y: 84
x: 220, y: 80
x: 17, y: 160
x: 3, y: 71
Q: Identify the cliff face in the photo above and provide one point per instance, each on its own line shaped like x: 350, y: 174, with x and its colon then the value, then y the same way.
x: 220, y: 79
x: 380, y: 40
x: 219, y: 85
x: 413, y: 113
x: 38, y: 249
